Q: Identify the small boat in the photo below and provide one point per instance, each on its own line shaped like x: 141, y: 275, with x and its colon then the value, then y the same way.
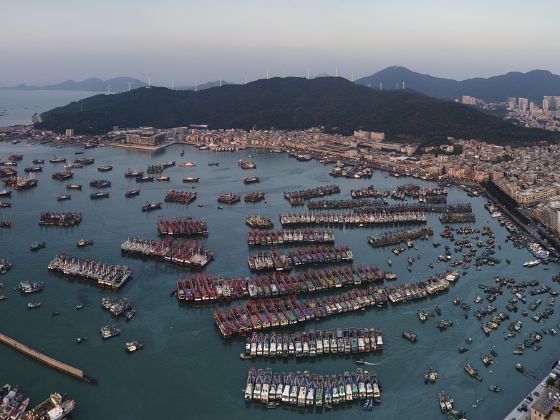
x: 98, y: 195
x: 486, y: 360
x: 109, y: 331
x: 105, y: 168
x: 187, y: 164
x: 33, y: 305
x: 462, y: 349
x: 28, y: 287
x: 73, y: 186
x: 191, y: 179
x: 409, y: 336
x: 494, y: 388
x: 182, y: 153
x: 63, y: 197
x: 494, y: 353
x: 132, y: 346
x: 151, y: 206
x: 430, y: 376
x: 5, y: 204
x: 84, y: 242
x: 78, y: 307
x: 438, y: 311
x: 5, y: 193
x: 519, y: 367
x: 163, y: 178
x: 81, y: 339
x: 53, y: 314
x: 35, y: 246
x: 132, y: 193
x: 130, y: 314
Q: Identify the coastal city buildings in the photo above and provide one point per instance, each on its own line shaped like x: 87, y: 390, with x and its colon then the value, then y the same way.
x: 146, y: 136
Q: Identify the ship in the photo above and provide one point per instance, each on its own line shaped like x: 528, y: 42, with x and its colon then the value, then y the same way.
x: 98, y: 195
x: 133, y: 346
x: 472, y: 372
x: 251, y: 180
x: 105, y: 168
x: 228, y: 198
x: 149, y: 206
x: 532, y: 263
x: 57, y: 159
x: 74, y: 187
x: 5, y: 193
x: 133, y: 174
x: 56, y: 407
x: 144, y: 179
x: 84, y: 242
x: 29, y: 287
x: 33, y: 305
x: 63, y: 197
x: 409, y: 336
x: 190, y: 179
x: 109, y: 331
x: 162, y: 179
x: 132, y: 193
x: 100, y: 183
x: 35, y: 246
x: 33, y: 169
x: 62, y: 176
x: 254, y: 197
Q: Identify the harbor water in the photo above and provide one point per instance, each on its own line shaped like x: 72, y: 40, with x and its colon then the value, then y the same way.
x: 186, y: 366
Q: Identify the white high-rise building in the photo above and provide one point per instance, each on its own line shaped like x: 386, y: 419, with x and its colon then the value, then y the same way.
x: 523, y: 104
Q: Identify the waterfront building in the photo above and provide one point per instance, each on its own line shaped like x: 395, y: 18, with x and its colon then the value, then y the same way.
x: 145, y: 136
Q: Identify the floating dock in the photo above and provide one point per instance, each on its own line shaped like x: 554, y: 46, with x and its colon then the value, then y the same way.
x: 49, y: 361
x: 339, y: 341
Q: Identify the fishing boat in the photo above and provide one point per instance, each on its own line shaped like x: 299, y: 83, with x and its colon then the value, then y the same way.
x: 57, y: 159
x: 84, y: 242
x: 105, y: 168
x: 409, y: 336
x: 228, y: 198
x: 35, y: 246
x: 98, y: 195
x: 191, y: 179
x: 251, y: 180
x: 5, y: 204
x: 163, y: 178
x: 430, y: 376
x: 132, y: 193
x: 133, y: 346
x: 472, y: 372
x: 494, y: 388
x: 150, y: 206
x: 133, y: 174
x: 144, y: 179
x: 63, y: 197
x: 29, y: 287
x: 33, y: 305
x: 5, y: 193
x: 81, y: 339
x: 109, y: 331
x: 73, y: 187
x: 100, y: 183
x: 486, y: 360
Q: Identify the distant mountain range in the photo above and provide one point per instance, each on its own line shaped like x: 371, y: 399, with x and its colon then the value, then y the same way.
x: 533, y: 84
x: 93, y: 84
x: 291, y: 103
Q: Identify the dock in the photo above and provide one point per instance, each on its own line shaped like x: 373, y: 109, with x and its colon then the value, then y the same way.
x: 46, y: 360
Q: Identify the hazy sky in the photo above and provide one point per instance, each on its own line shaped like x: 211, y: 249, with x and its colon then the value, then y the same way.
x: 43, y: 41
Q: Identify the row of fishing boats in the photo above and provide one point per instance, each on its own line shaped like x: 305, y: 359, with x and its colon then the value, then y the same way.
x: 182, y: 226
x: 297, y: 257
x: 103, y: 274
x: 398, y: 236
x: 204, y: 288
x: 275, y: 312
x: 60, y: 219
x: 351, y: 219
x: 181, y: 197
x: 288, y: 236
x: 298, y: 197
x: 189, y: 253
x: 340, y: 341
x: 457, y: 218
x: 305, y: 389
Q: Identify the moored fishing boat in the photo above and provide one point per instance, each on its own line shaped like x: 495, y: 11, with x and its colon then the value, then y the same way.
x: 132, y: 193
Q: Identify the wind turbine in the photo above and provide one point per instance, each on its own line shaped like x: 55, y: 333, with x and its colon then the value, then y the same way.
x: 129, y: 86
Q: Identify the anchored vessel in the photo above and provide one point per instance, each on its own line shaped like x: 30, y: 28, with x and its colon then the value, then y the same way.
x: 340, y: 341
x: 105, y: 275
x: 204, y: 288
x: 267, y: 313
x: 189, y: 253
x: 311, y: 389
x: 282, y: 237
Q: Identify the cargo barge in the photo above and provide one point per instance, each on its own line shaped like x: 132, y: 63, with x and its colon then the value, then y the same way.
x: 351, y: 219
x: 297, y: 198
x: 60, y: 219
x: 313, y: 254
x: 204, y: 288
x: 282, y: 237
x: 339, y: 341
x: 104, y: 275
x: 397, y: 236
x: 312, y: 389
x: 182, y: 226
x: 457, y: 218
x: 181, y: 197
x: 188, y: 253
x: 267, y: 313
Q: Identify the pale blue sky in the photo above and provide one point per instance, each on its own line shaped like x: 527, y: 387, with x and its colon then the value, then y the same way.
x: 184, y: 40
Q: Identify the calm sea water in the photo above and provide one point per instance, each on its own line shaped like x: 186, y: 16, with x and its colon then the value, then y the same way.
x: 18, y: 106
x: 186, y: 366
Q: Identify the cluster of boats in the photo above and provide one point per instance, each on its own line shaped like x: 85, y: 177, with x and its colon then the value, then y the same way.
x: 100, y: 183
x: 398, y: 236
x: 181, y: 197
x: 229, y: 198
x: 423, y: 207
x: 60, y: 219
x: 28, y: 287
x: 189, y: 253
x: 447, y: 218
x: 287, y: 236
x: 297, y: 198
x: 204, y: 288
x: 62, y: 176
x: 182, y: 226
x: 151, y: 205
x: 56, y: 407
x: 342, y: 341
x: 312, y: 389
x: 118, y: 307
x: 247, y: 164
x: 12, y: 402
x: 258, y: 222
x: 342, y: 204
x: 351, y: 219
x: 312, y: 254
x: 275, y: 312
x: 104, y: 275
x: 254, y: 197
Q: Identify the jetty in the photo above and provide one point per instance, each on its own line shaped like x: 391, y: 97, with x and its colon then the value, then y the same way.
x: 104, y: 275
x: 306, y: 389
x: 275, y: 312
x: 339, y: 341
x: 205, y: 288
x: 49, y: 361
